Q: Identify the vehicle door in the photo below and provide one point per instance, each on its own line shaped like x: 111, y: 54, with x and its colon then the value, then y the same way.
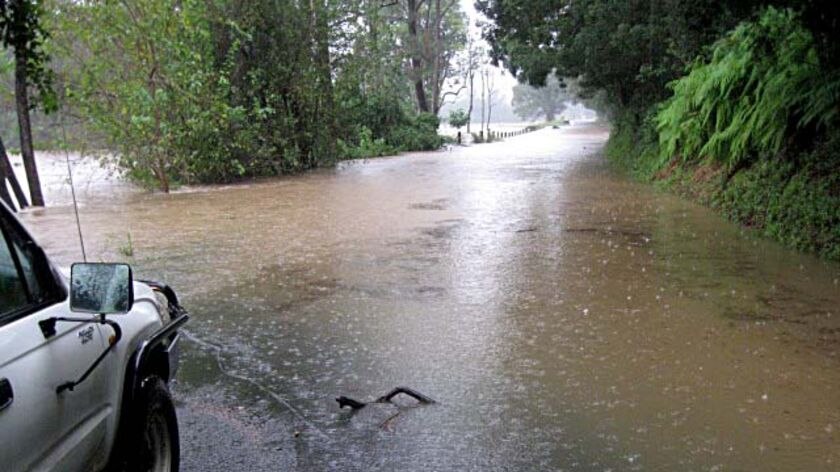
x: 39, y: 428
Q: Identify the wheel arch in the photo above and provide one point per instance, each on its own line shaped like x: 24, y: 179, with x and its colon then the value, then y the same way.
x: 152, y: 356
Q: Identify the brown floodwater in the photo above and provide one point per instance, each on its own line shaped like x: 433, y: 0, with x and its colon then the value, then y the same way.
x: 564, y: 317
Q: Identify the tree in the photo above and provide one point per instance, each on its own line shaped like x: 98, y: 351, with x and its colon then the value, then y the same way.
x: 21, y: 30
x: 435, y: 34
x: 134, y: 76
x: 630, y: 49
x: 188, y: 91
x: 458, y: 118
x: 483, y: 76
x: 491, y: 95
x: 474, y: 54
x: 549, y: 100
x: 417, y: 66
x: 626, y: 52
x: 209, y: 91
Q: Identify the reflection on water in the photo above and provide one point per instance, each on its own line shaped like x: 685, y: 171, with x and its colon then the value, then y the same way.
x: 563, y: 317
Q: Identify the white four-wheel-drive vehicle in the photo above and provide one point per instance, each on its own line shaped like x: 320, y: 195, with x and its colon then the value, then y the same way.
x: 84, y: 363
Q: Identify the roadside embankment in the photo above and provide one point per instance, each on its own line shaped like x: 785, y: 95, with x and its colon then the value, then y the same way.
x: 793, y: 199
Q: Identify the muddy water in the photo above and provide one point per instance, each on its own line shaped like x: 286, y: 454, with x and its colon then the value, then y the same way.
x: 563, y: 317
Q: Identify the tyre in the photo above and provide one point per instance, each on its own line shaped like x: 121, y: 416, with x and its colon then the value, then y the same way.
x: 152, y: 444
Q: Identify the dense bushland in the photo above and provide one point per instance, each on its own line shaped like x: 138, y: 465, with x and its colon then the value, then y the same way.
x: 765, y: 111
x: 733, y: 103
x: 762, y: 87
x: 187, y: 91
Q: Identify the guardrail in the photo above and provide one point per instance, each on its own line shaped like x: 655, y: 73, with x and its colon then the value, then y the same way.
x: 496, y: 135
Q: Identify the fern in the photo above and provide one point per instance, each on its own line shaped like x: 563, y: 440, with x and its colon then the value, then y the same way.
x: 762, y: 85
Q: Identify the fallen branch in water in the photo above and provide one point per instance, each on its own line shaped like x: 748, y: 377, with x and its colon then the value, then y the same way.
x: 356, y: 405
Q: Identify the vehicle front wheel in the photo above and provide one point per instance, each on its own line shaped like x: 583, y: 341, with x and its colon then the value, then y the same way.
x: 154, y: 446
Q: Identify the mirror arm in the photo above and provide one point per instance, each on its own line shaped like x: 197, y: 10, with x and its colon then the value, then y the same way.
x: 48, y: 325
x: 48, y: 328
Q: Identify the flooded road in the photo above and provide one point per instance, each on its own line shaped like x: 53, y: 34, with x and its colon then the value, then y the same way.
x: 563, y: 317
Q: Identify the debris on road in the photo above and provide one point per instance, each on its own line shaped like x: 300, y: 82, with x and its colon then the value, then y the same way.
x: 355, y: 404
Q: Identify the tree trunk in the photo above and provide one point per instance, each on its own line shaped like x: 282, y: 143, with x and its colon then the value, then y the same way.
x: 469, y: 112
x: 163, y: 179
x: 321, y: 33
x: 436, y: 59
x: 4, y: 172
x: 491, y: 88
x: 489, y: 109
x: 416, y: 61
x: 8, y: 172
x: 482, y: 100
x: 22, y: 103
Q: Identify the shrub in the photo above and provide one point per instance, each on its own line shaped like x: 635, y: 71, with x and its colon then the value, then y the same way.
x: 378, y: 125
x: 762, y: 86
x: 419, y: 133
x: 458, y: 118
x: 797, y: 204
x: 367, y: 146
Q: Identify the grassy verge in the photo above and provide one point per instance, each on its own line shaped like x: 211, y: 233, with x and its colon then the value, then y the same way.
x: 792, y: 199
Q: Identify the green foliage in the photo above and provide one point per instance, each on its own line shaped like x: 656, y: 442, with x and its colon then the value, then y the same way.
x: 739, y: 133
x: 419, y: 134
x: 747, y: 101
x: 146, y: 81
x: 458, y: 118
x: 367, y: 146
x: 796, y: 203
x: 378, y: 125
x: 126, y: 249
x: 621, y: 148
x: 633, y: 147
x: 626, y: 49
x: 22, y: 31
x: 213, y: 90
x: 794, y: 200
x: 762, y: 86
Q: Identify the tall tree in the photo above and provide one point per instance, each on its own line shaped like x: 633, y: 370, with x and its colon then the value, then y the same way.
x: 140, y: 75
x: 471, y: 76
x: 474, y: 55
x: 435, y: 34
x: 20, y: 30
x: 325, y: 106
x: 548, y: 100
x: 217, y: 90
x: 491, y: 95
x: 483, y: 78
x: 630, y: 49
x: 417, y: 65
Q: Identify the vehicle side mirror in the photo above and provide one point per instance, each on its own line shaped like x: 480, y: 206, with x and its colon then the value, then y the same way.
x: 103, y: 289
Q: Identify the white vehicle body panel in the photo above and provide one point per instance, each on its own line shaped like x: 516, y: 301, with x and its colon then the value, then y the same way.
x: 76, y: 429
x: 39, y: 422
